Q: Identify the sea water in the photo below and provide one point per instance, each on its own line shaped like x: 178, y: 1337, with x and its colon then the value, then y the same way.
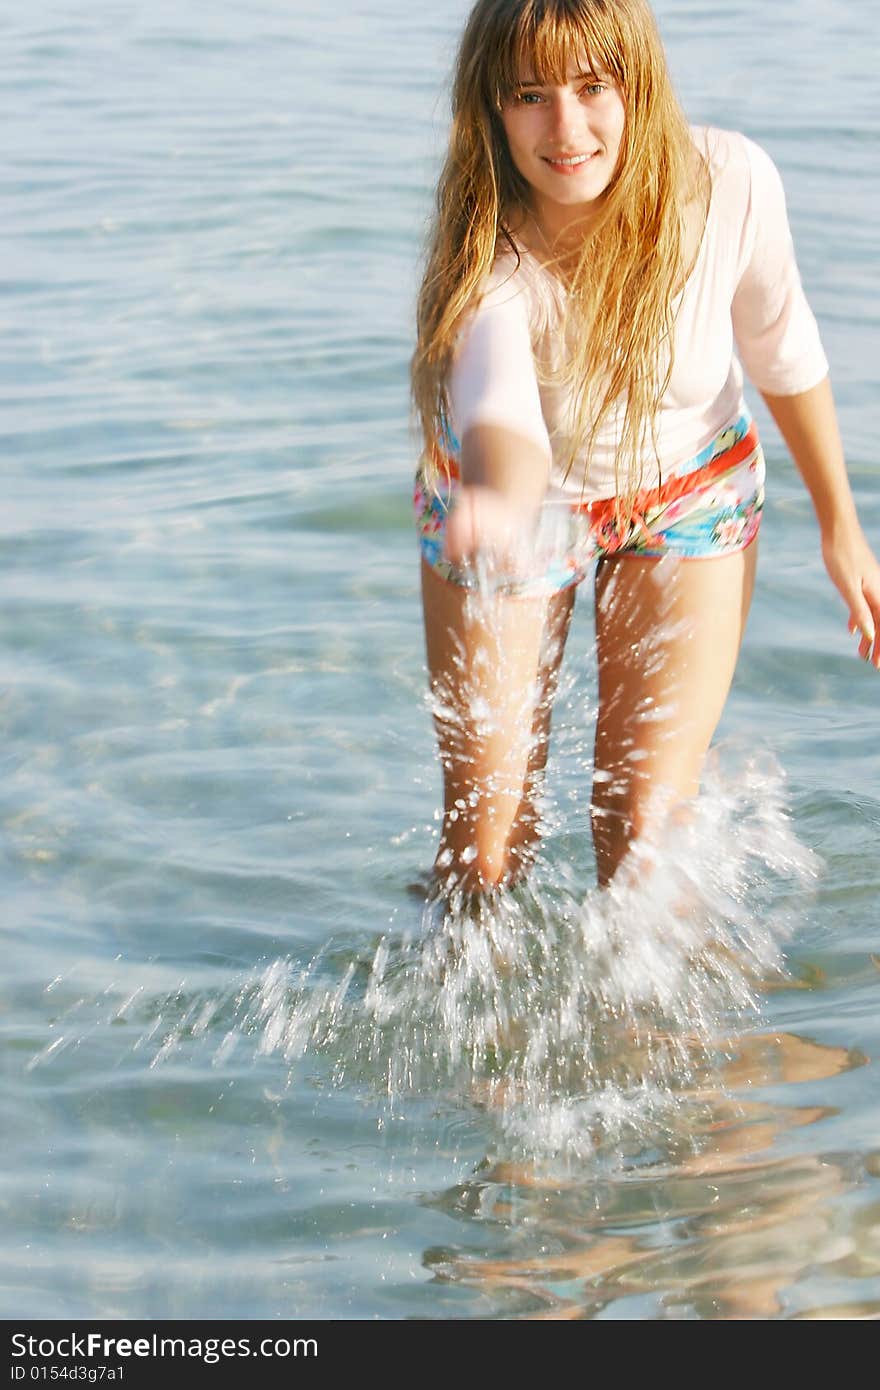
x: 248, y: 1073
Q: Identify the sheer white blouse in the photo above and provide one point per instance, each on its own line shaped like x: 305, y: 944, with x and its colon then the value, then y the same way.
x: 743, y: 296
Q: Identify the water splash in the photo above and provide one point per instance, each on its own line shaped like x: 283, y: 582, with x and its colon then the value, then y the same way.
x: 575, y: 1020
x: 572, y: 1021
x: 578, y: 1024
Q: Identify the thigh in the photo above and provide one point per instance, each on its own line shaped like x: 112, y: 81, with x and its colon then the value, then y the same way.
x: 493, y: 665
x: 668, y: 635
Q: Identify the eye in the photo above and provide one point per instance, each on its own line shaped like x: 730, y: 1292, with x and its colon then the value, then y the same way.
x: 527, y: 98
x: 595, y: 89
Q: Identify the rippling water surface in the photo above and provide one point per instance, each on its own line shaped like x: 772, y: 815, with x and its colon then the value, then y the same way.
x: 244, y: 1075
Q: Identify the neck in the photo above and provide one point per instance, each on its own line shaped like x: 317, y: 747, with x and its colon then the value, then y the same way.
x: 562, y: 230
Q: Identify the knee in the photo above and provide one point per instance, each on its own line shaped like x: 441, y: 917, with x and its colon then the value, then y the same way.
x: 472, y: 868
x: 489, y: 853
x: 643, y: 791
x: 628, y: 813
x: 619, y: 799
x: 615, y: 832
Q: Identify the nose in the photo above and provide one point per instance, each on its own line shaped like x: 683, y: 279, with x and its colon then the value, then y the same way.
x: 565, y: 118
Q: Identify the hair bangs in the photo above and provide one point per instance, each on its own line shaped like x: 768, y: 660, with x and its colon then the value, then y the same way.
x: 624, y: 283
x: 548, y: 40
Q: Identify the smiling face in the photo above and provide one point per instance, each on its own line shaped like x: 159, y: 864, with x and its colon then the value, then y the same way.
x: 565, y: 142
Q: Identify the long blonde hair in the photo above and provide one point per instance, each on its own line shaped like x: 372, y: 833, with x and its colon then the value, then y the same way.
x: 623, y: 288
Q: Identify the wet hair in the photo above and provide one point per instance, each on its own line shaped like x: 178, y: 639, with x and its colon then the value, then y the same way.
x: 632, y: 264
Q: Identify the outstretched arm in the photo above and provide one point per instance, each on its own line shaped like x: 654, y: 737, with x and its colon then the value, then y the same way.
x: 808, y: 424
x: 503, y: 481
x: 497, y: 413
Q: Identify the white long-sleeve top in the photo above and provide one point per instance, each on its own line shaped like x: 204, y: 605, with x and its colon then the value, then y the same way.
x: 743, y: 295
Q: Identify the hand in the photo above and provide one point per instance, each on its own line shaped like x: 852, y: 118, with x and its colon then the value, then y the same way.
x: 486, y: 522
x: 853, y: 568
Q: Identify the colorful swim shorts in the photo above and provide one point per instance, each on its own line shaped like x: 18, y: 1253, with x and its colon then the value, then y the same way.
x: 711, y: 507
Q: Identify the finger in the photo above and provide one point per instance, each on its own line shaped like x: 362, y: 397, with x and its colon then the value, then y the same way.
x: 861, y: 622
x: 863, y: 619
x: 451, y: 548
x: 874, y: 647
x: 871, y: 595
x: 459, y: 533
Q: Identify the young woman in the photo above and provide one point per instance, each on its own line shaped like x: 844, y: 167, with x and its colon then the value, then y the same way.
x: 595, y: 265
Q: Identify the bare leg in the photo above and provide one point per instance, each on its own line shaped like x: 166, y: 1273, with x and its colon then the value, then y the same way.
x: 493, y: 671
x: 668, y: 634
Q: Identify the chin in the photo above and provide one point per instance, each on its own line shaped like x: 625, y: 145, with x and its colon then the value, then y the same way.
x: 577, y: 199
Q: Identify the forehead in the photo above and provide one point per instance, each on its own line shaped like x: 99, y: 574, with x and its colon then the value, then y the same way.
x: 572, y: 71
x: 556, y: 52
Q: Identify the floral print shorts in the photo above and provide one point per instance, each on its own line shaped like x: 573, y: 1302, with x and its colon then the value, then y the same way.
x: 711, y: 507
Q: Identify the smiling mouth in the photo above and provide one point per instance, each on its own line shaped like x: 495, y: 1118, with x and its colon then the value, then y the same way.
x: 569, y: 161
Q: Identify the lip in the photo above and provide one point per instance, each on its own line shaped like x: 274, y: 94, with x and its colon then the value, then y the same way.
x: 558, y: 167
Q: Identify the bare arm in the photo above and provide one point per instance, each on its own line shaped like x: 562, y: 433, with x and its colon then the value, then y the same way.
x: 508, y: 462
x: 504, y: 478
x: 808, y: 424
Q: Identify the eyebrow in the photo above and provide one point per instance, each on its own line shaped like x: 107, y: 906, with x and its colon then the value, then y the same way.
x: 591, y: 76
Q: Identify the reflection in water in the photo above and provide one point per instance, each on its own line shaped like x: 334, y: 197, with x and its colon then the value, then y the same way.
x: 578, y: 1026
x: 718, y: 1229
x: 604, y: 1047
